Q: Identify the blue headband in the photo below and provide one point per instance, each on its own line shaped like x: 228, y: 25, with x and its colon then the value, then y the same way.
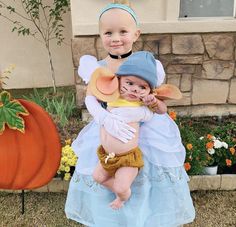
x: 120, y: 6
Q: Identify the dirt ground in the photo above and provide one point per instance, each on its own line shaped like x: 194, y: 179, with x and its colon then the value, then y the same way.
x: 213, y: 209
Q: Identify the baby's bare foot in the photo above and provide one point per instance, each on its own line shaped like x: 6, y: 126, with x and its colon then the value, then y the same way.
x: 116, y: 204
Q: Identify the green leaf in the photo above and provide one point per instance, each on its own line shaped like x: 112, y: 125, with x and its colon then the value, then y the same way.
x: 10, y: 111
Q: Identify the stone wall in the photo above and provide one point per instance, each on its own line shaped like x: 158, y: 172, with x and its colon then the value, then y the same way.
x: 201, y: 65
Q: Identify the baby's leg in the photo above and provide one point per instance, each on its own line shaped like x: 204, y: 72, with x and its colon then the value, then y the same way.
x: 100, y: 175
x: 124, y: 177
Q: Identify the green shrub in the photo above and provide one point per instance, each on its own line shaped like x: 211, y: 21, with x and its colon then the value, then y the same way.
x: 60, y: 105
x: 208, y: 141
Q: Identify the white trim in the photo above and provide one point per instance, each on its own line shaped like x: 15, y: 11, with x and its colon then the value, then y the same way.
x: 179, y: 26
x: 172, y: 9
x: 203, y: 19
x: 234, y: 9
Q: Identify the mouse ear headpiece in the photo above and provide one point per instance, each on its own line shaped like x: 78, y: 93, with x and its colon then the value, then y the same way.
x: 167, y: 91
x: 104, y: 85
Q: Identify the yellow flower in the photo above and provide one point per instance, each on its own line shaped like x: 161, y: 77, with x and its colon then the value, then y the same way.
x: 64, y: 159
x: 62, y: 168
x: 68, y: 159
x: 71, y: 162
x: 66, y: 148
x: 67, y: 169
x: 67, y: 176
x: 68, y: 142
x: 70, y: 155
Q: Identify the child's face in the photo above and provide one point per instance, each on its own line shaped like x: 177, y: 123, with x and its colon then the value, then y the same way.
x: 118, y: 31
x: 133, y: 88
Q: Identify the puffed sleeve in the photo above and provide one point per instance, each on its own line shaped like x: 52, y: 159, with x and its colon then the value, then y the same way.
x: 87, y: 65
x: 160, y: 73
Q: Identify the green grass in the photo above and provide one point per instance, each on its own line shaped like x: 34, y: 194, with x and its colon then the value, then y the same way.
x: 20, y: 93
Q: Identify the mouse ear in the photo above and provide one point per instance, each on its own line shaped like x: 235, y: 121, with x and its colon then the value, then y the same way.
x: 124, y: 2
x: 167, y: 91
x: 104, y: 85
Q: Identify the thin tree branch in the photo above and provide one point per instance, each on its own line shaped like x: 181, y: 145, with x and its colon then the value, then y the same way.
x: 33, y: 21
x: 15, y: 12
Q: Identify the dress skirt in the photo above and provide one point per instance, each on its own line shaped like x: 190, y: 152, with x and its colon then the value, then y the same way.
x: 160, y: 193
x: 160, y: 198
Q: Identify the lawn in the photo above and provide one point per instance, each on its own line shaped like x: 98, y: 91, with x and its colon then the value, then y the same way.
x: 213, y: 208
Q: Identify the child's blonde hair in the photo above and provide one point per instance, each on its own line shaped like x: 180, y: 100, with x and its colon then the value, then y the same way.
x: 124, y: 2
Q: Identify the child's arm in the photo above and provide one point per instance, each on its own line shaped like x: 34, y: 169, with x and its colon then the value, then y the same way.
x: 156, y: 105
x: 134, y: 114
x: 113, y: 123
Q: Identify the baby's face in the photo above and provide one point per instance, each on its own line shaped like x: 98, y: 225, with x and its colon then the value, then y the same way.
x: 133, y: 88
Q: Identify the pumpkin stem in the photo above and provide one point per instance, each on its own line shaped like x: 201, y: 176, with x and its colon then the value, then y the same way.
x: 10, y: 111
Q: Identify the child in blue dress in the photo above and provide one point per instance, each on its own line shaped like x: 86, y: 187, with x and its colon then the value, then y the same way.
x: 160, y: 193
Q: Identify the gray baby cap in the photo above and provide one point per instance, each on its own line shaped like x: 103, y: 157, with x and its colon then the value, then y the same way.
x: 141, y: 64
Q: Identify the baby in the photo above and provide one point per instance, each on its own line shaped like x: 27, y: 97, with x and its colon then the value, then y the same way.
x: 135, y: 80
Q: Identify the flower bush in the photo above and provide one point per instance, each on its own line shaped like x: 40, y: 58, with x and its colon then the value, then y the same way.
x: 207, y: 146
x: 227, y: 133
x: 68, y: 161
x: 218, y: 152
x: 195, y: 157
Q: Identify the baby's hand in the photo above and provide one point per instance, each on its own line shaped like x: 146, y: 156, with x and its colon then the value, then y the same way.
x: 149, y: 100
x: 155, y: 104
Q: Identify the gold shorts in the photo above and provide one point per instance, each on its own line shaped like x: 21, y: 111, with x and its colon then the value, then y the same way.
x: 132, y: 158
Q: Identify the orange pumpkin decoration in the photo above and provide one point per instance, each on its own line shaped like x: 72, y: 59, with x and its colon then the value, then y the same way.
x: 30, y: 155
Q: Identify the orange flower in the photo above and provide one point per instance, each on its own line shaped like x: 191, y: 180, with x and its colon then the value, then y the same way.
x: 189, y: 146
x: 187, y: 166
x: 228, y: 162
x: 209, y: 145
x: 209, y: 136
x: 232, y: 150
x: 173, y: 115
